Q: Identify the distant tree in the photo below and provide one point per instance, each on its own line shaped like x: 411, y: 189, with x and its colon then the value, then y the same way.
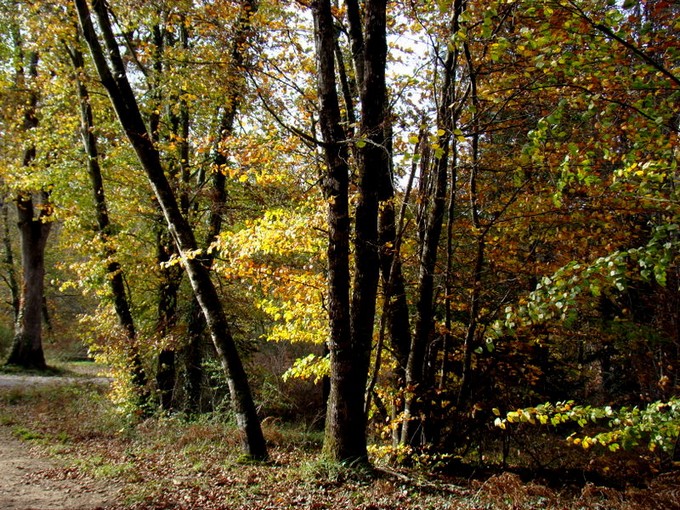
x: 34, y: 211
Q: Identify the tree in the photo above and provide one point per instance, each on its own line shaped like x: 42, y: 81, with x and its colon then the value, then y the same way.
x: 27, y: 350
x: 115, y: 80
x: 115, y: 273
x: 351, y: 322
x: 34, y: 216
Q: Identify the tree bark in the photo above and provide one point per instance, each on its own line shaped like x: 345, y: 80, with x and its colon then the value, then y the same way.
x: 115, y: 80
x: 8, y: 260
x: 27, y: 350
x: 351, y: 325
x: 121, y: 303
x: 412, y: 430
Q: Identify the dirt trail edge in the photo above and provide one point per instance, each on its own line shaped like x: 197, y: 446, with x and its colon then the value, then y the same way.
x: 29, y: 481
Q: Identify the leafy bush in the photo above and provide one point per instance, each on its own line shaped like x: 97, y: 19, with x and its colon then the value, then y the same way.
x: 655, y: 427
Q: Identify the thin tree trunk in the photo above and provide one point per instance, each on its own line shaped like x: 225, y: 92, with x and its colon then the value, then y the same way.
x: 395, y: 313
x: 171, y: 277
x: 115, y: 80
x: 225, y: 127
x: 8, y: 259
x: 395, y: 304
x: 444, y: 370
x: 469, y: 343
x: 412, y: 430
x: 116, y: 277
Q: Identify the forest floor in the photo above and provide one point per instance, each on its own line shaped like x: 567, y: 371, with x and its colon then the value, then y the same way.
x: 31, y: 480
x: 63, y: 447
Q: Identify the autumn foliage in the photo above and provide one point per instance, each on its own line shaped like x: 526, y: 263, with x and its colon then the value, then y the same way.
x: 504, y: 212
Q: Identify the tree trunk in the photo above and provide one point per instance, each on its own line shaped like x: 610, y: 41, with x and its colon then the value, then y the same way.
x: 121, y: 302
x: 470, y: 335
x: 178, y: 173
x: 339, y: 441
x: 27, y: 350
x: 351, y: 326
x: 168, y: 292
x: 394, y: 289
x: 8, y: 260
x: 412, y: 430
x: 115, y: 80
x: 193, y: 352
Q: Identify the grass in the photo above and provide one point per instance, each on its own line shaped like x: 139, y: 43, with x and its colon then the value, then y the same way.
x: 167, y: 462
x: 59, y: 368
x: 51, y: 371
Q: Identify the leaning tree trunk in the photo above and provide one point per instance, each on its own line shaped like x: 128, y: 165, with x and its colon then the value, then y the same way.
x: 27, y: 350
x: 115, y: 81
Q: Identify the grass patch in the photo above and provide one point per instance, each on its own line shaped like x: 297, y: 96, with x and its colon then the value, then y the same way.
x: 324, y: 471
x: 25, y: 434
x: 50, y: 371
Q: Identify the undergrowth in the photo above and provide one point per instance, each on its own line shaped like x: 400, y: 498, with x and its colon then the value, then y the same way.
x: 170, y: 462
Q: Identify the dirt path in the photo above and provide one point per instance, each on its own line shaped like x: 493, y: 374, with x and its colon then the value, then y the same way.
x: 29, y: 481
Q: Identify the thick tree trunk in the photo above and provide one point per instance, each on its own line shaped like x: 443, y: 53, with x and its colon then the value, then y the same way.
x: 340, y: 441
x: 34, y: 228
x: 351, y: 326
x: 27, y: 350
x: 122, y: 97
x: 374, y: 174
